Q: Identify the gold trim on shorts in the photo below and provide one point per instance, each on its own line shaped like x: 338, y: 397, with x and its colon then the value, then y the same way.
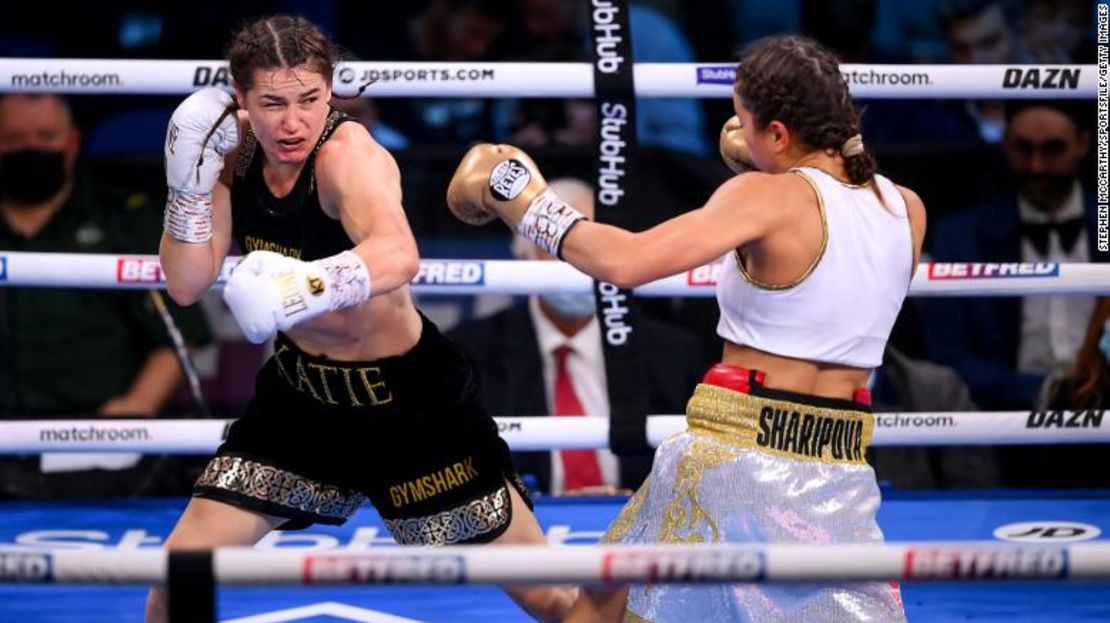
x: 781, y: 427
x: 277, y: 486
x: 464, y: 522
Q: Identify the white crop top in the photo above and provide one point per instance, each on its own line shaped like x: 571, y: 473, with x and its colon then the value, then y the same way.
x: 843, y: 309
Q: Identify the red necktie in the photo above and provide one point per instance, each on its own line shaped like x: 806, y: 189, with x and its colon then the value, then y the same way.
x: 580, y: 467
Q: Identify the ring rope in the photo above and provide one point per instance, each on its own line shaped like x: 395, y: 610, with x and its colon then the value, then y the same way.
x: 547, y: 433
x: 431, y: 79
x: 520, y: 277
x: 943, y: 561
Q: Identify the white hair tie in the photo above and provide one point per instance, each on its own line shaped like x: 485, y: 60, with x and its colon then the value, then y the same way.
x: 852, y: 147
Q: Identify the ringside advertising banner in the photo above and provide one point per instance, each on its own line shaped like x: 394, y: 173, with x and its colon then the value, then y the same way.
x: 531, y: 79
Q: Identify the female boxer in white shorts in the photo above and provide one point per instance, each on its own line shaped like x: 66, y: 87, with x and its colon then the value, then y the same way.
x: 818, y: 254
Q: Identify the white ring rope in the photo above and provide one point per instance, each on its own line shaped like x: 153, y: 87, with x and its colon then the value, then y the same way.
x: 79, y: 270
x: 423, y: 79
x: 944, y: 561
x: 548, y: 433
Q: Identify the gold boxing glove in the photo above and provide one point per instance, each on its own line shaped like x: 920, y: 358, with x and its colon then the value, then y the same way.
x: 503, y: 181
x: 734, y: 149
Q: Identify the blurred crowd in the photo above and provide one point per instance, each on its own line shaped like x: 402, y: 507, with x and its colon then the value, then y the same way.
x: 1003, y: 181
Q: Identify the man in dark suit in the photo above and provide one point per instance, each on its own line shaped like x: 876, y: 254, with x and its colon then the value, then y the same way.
x: 1005, y: 347
x: 904, y: 384
x: 545, y: 358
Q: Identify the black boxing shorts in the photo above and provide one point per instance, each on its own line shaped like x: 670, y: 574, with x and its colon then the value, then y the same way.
x: 407, y: 432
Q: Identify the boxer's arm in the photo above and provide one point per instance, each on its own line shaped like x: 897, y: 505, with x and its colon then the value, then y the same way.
x: 202, y: 145
x: 360, y: 184
x: 743, y: 209
x: 502, y: 181
x: 191, y: 268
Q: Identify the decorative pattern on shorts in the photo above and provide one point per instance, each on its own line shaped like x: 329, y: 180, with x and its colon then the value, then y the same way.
x: 477, y: 517
x: 267, y: 483
x: 629, y: 515
x: 686, y: 520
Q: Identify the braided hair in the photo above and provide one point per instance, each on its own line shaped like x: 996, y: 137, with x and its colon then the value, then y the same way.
x: 279, y: 41
x: 797, y: 81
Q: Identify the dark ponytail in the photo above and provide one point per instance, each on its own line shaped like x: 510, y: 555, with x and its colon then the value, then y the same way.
x: 860, y: 166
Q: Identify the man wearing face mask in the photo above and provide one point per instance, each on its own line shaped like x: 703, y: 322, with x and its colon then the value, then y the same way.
x: 1004, y: 347
x: 66, y: 351
x: 545, y: 359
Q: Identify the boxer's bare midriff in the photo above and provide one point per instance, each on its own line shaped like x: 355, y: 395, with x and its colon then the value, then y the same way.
x: 384, y: 326
x: 799, y: 375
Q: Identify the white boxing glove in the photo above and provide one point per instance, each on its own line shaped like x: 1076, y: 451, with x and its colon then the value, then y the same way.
x: 269, y: 292
x: 202, y: 130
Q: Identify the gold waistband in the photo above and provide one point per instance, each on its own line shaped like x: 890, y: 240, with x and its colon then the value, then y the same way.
x: 782, y: 427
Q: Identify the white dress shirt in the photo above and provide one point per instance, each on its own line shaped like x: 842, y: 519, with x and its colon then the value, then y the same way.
x: 586, y: 367
x: 1053, y: 327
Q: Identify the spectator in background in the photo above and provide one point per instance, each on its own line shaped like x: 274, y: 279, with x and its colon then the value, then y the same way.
x: 906, y: 385
x: 1085, y: 385
x: 1005, y: 347
x: 1057, y: 31
x: 75, y: 352
x: 458, y: 30
x: 979, y: 33
x: 545, y: 358
x: 558, y: 28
